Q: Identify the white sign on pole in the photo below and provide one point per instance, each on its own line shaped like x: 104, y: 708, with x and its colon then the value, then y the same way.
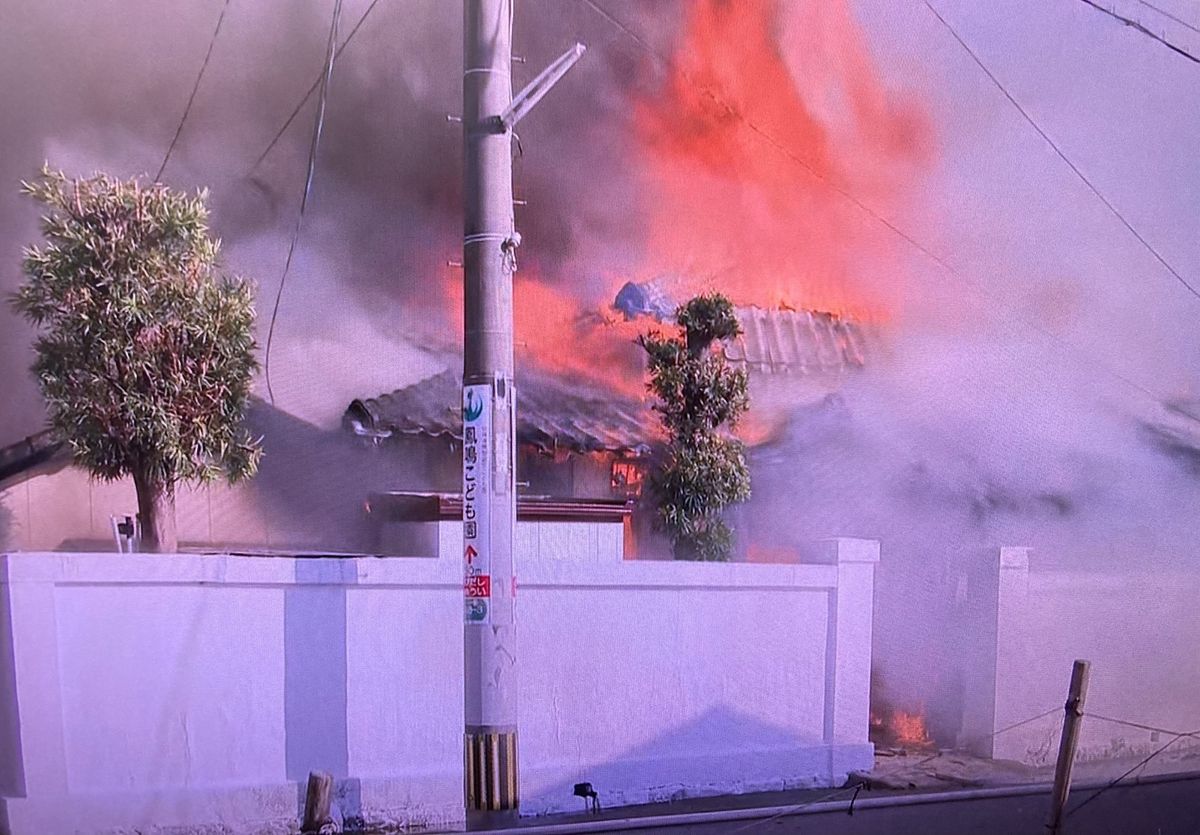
x: 477, y: 482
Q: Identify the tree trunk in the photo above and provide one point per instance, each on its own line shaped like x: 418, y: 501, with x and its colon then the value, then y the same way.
x: 686, y: 549
x: 156, y: 515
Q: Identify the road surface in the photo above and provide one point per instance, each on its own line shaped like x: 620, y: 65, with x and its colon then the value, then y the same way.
x: 1160, y: 806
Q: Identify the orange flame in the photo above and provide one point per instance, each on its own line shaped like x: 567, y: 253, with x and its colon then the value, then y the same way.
x: 909, y: 728
x: 553, y: 331
x: 768, y: 109
x: 893, y: 726
x: 747, y: 146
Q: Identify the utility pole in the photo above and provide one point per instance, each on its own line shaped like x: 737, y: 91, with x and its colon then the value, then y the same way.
x: 490, y: 242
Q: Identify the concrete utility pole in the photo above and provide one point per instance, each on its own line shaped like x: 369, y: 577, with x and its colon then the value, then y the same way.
x: 490, y: 242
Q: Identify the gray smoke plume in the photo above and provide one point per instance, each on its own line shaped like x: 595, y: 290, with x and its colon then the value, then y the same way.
x: 102, y: 86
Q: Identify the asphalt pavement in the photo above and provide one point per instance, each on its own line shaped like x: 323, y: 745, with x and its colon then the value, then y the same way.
x: 1162, y: 805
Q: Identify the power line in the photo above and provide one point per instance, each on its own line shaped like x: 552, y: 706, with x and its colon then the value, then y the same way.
x: 1165, y: 13
x: 969, y: 741
x: 1089, y: 362
x: 304, y: 100
x: 318, y: 124
x: 1078, y: 173
x: 634, y: 36
x: 1141, y: 726
x: 191, y: 98
x: 1139, y: 27
x: 1144, y: 761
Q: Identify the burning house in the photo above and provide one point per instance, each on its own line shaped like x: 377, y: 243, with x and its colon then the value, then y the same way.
x: 572, y: 441
x: 583, y: 440
x: 584, y: 447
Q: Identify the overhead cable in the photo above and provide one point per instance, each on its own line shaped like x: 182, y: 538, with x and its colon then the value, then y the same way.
x: 1167, y: 14
x: 308, y: 94
x: 1113, y: 210
x: 1133, y: 24
x: 318, y: 125
x: 195, y: 87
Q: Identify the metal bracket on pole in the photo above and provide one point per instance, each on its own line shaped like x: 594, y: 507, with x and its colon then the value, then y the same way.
x: 533, y: 93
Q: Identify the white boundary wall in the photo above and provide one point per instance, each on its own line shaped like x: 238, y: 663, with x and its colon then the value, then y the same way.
x: 194, y: 693
x: 1138, y: 628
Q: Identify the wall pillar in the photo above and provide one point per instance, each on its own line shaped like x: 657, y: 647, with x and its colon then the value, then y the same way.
x: 29, y: 652
x: 848, y: 646
x: 993, y: 647
x: 1012, y: 651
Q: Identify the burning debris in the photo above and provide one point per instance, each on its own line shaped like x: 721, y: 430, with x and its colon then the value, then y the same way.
x: 893, y: 728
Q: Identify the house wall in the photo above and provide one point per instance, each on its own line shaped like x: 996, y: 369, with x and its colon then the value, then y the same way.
x: 565, y: 474
x: 591, y: 475
x: 309, y: 495
x: 1031, y: 624
x: 65, y: 509
x: 314, y: 502
x: 197, y: 691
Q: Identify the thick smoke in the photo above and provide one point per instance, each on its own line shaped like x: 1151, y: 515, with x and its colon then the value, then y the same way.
x: 102, y: 85
x: 612, y: 185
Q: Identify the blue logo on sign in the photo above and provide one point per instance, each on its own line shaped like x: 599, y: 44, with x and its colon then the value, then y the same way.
x: 476, y: 610
x: 472, y: 406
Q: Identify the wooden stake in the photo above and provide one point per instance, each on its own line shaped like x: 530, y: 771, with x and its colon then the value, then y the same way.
x: 317, y: 802
x: 1072, y: 721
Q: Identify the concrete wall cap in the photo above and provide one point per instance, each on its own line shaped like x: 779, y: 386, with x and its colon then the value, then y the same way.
x: 1014, y: 557
x: 849, y: 549
x: 538, y: 571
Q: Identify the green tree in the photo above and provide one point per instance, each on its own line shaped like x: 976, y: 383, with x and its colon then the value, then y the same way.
x: 144, y: 354
x: 699, y: 399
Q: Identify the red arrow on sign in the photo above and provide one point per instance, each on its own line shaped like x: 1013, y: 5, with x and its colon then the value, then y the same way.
x: 471, y: 554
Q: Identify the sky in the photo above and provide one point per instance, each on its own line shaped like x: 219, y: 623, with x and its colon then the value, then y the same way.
x: 1039, y: 264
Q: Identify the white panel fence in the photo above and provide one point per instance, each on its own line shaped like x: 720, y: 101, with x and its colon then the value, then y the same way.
x: 194, y: 693
x: 1139, y: 628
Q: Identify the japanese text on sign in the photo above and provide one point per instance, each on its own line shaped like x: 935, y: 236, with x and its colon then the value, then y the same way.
x: 477, y: 586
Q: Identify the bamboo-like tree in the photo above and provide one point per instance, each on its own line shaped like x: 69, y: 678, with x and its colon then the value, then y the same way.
x: 145, y: 354
x: 699, y: 399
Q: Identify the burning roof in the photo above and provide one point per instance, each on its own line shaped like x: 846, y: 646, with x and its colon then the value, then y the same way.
x: 554, y: 412
x: 796, y: 342
x: 779, y: 340
x: 565, y: 410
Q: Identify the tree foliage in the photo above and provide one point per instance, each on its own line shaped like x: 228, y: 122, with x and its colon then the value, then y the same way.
x: 699, y: 399
x: 145, y: 354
